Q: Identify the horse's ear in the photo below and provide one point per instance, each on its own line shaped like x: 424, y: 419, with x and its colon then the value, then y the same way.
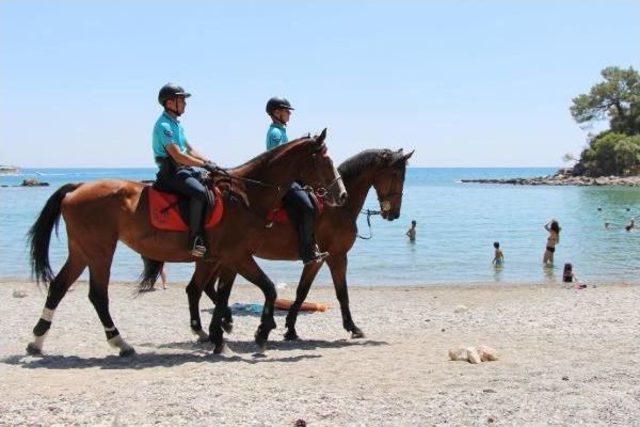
x: 408, y: 155
x: 322, y: 136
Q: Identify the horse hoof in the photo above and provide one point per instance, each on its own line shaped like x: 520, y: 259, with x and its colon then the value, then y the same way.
x: 33, y: 350
x: 261, y: 342
x: 291, y: 335
x: 219, y: 348
x: 202, y: 339
x: 127, y: 352
x: 357, y: 333
x: 227, y: 327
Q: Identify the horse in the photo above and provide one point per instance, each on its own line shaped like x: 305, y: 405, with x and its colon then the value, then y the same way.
x: 335, y: 231
x: 99, y: 214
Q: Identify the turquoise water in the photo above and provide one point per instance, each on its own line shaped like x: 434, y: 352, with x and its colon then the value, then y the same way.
x: 457, y: 225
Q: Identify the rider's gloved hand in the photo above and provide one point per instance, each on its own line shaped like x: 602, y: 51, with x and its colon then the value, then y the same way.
x: 210, y: 166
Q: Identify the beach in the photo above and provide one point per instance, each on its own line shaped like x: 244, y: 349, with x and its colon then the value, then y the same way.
x: 566, y: 356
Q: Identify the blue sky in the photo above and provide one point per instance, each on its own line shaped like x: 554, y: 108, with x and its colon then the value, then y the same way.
x: 465, y: 83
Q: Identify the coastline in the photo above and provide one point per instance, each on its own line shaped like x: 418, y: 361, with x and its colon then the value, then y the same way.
x: 566, y: 356
x: 558, y: 179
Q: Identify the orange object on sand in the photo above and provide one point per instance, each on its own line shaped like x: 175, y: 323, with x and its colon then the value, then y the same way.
x: 285, y: 304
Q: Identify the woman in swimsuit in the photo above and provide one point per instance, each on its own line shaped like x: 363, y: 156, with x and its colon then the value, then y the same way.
x: 554, y: 238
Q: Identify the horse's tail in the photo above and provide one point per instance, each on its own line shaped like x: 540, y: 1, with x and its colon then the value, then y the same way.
x: 150, y: 274
x: 39, y: 235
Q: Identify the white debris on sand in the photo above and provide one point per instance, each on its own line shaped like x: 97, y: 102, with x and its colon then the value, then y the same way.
x: 566, y: 358
x: 474, y: 355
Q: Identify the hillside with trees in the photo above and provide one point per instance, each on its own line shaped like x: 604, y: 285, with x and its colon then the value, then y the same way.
x: 615, y: 151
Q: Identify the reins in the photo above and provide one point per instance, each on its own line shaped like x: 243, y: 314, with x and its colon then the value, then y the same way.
x: 369, y: 213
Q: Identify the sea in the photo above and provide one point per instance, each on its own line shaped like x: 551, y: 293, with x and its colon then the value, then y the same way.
x: 457, y: 225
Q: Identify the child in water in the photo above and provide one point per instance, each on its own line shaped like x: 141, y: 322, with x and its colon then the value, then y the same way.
x: 568, y: 276
x: 411, y: 233
x: 498, y: 256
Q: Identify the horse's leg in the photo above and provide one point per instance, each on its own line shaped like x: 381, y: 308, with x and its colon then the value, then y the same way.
x: 210, y: 290
x: 306, y: 279
x: 201, y: 275
x: 338, y: 265
x: 69, y: 273
x: 251, y: 271
x: 221, y: 320
x: 99, y: 274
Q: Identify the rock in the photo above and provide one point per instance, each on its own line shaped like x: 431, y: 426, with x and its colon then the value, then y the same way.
x: 461, y: 309
x: 565, y: 378
x: 491, y: 420
x: 458, y: 354
x: 487, y: 354
x: 473, y: 356
x: 19, y: 294
x: 300, y: 423
x: 32, y: 182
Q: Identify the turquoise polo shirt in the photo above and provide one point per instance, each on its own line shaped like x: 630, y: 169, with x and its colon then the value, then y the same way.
x: 168, y: 130
x: 276, y: 135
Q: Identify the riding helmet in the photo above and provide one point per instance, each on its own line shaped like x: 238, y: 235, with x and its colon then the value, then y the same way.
x: 277, y: 102
x: 171, y: 90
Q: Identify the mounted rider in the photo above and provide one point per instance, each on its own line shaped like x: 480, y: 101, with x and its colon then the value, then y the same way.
x: 175, y: 158
x: 297, y: 201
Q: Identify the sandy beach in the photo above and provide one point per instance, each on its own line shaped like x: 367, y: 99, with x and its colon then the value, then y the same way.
x: 567, y: 357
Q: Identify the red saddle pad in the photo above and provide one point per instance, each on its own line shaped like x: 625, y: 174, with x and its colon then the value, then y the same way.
x: 280, y: 215
x: 165, y: 213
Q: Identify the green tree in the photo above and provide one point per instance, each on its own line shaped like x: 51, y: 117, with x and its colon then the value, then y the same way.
x: 611, y: 153
x: 617, y: 99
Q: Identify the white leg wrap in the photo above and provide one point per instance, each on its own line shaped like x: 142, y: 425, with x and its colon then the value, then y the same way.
x: 118, y: 342
x: 47, y: 315
x: 39, y: 341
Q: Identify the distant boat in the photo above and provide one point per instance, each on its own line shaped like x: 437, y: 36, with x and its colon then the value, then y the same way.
x: 6, y: 169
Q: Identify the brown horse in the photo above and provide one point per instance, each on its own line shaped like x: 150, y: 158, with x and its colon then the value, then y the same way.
x: 335, y: 231
x: 99, y: 214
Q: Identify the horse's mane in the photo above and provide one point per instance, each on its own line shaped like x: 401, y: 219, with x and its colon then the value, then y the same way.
x: 266, y: 155
x: 355, y: 165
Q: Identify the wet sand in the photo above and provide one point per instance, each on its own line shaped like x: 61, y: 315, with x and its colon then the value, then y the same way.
x: 567, y: 357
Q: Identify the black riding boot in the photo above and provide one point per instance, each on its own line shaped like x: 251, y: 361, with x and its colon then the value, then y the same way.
x: 196, y: 241
x: 309, y: 251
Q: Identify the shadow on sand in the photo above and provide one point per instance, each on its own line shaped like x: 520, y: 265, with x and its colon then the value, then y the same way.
x: 200, y: 353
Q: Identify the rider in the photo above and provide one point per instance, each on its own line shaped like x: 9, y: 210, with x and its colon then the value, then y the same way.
x: 175, y: 158
x: 297, y: 201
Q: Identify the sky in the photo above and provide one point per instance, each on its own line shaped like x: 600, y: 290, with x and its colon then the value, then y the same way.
x: 464, y: 83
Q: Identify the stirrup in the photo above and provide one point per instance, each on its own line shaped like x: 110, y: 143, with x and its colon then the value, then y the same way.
x: 199, y: 249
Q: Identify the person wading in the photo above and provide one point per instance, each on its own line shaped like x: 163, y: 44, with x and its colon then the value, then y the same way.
x: 297, y: 201
x: 176, y: 158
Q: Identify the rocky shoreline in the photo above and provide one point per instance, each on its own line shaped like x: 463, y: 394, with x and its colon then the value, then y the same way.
x: 560, y: 179
x: 30, y: 182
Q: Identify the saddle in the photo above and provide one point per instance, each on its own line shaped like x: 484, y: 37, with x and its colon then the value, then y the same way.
x: 279, y: 215
x: 169, y: 211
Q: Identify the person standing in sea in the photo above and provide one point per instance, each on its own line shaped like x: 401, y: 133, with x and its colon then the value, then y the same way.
x: 411, y: 233
x: 554, y: 238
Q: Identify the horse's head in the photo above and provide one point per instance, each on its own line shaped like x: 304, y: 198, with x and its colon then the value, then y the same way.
x: 389, y: 182
x: 320, y: 173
